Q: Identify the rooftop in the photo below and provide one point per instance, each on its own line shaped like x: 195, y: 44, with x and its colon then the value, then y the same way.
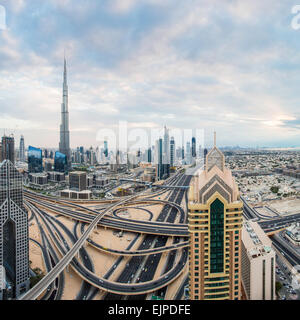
x: 256, y: 242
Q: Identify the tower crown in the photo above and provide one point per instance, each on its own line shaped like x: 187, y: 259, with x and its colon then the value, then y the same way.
x: 215, y: 158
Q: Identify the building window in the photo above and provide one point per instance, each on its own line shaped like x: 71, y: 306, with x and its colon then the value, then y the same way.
x: 264, y: 280
x: 217, y: 237
x: 272, y: 278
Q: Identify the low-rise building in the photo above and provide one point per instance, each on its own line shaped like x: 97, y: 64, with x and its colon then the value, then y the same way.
x: 76, y: 195
x: 78, y: 180
x: 55, y: 176
x: 293, y: 233
x: 149, y: 174
x: 40, y: 178
x: 101, y: 182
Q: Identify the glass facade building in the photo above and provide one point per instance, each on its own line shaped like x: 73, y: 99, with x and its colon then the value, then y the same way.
x: 14, y: 247
x: 194, y: 147
x: 8, y: 148
x: 35, y: 160
x: 60, y: 162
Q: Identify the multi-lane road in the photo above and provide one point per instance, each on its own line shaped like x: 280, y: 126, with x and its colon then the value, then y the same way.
x: 38, y: 203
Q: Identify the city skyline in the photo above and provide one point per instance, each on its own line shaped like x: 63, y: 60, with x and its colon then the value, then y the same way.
x: 113, y: 186
x: 215, y: 89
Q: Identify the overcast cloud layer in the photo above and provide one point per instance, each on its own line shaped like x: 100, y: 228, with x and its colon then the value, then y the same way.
x: 229, y: 66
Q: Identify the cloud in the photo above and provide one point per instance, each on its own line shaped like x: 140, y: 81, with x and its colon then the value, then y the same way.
x: 224, y: 66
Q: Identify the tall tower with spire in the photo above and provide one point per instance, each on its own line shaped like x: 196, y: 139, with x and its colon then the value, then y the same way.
x: 215, y: 224
x: 64, y: 143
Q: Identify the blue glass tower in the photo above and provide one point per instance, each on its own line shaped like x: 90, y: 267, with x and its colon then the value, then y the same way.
x: 60, y: 162
x: 35, y: 160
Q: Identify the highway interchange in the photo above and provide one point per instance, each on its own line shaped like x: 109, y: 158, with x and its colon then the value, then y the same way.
x: 163, y: 241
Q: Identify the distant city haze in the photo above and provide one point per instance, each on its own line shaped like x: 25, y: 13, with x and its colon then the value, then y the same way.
x: 225, y: 67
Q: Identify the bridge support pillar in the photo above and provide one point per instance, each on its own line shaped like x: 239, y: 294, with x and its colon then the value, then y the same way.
x: 67, y: 269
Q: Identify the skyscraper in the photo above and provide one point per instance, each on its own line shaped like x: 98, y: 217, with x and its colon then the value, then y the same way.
x: 105, y: 149
x: 166, y: 154
x: 188, y: 153
x: 8, y: 148
x: 14, y: 247
x: 215, y: 223
x: 22, y: 149
x: 193, y: 147
x: 64, y: 144
x: 200, y: 151
x: 149, y: 158
x: 205, y: 154
x: 172, y: 152
x: 35, y: 160
x: 60, y: 162
x: 159, y: 158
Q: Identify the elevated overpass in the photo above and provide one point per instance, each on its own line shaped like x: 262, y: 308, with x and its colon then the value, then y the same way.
x: 33, y: 293
x: 153, y: 185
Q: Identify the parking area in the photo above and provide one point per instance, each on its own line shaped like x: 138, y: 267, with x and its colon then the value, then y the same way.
x: 284, y: 277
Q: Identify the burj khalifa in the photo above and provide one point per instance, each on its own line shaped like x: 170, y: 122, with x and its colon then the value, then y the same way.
x: 64, y: 144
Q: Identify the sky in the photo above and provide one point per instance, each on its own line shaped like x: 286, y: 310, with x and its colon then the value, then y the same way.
x: 227, y: 66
